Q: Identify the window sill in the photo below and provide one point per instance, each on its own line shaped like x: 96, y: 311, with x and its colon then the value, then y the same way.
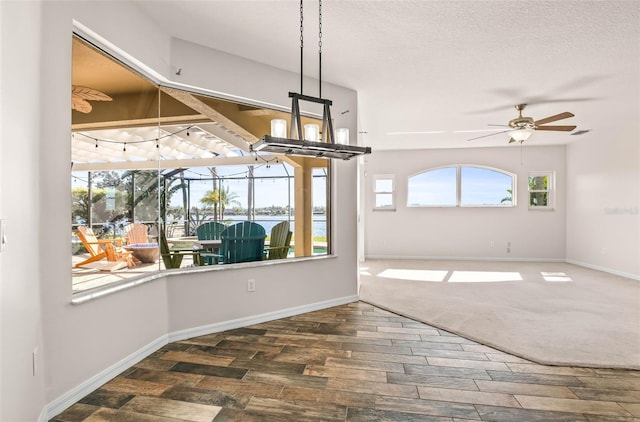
x: 541, y: 209
x: 92, y: 294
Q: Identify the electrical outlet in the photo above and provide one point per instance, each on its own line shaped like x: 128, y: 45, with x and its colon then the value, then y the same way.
x: 251, y: 285
x: 492, y: 243
x: 508, y: 247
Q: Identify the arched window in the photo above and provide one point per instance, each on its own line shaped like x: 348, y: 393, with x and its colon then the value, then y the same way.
x: 436, y: 187
x: 462, y: 186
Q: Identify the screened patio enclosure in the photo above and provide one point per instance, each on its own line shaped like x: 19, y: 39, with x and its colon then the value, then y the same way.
x: 173, y: 159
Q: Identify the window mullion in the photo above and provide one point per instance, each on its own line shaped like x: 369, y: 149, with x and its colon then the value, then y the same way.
x: 458, y: 186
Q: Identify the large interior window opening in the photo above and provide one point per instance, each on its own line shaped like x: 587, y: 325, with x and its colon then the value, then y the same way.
x: 171, y: 161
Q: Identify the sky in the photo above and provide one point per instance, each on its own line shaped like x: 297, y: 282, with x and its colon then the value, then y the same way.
x: 478, y: 186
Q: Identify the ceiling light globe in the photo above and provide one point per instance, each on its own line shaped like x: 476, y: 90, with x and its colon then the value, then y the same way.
x: 342, y: 135
x: 279, y: 128
x: 311, y: 132
x: 521, y: 135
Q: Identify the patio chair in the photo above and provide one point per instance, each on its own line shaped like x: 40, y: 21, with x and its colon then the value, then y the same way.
x: 209, y: 231
x: 279, y: 241
x: 172, y: 258
x: 242, y: 242
x: 95, y: 246
x: 116, y: 259
x: 137, y: 233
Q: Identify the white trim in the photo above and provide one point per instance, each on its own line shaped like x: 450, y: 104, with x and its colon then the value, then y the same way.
x: 391, y: 192
x: 498, y: 259
x: 43, y: 415
x: 604, y: 269
x: 257, y: 319
x: 61, y: 403
x: 72, y: 396
x: 550, y: 191
x: 159, y: 79
x: 466, y: 258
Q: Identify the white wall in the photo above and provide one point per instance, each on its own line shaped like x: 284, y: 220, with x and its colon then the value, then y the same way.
x: 466, y: 232
x: 603, y: 220
x: 80, y: 341
x: 21, y: 318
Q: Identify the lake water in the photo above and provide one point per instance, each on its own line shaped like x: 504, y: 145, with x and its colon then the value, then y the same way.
x: 268, y: 221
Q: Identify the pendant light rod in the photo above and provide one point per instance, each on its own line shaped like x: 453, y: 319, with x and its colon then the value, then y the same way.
x: 301, y: 46
x: 319, y: 49
x: 302, y: 144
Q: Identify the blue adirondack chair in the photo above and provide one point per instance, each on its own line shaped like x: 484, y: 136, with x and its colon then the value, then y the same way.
x: 242, y: 242
x: 210, y: 230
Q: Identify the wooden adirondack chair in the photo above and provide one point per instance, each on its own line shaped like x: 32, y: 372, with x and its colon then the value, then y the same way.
x: 117, y: 259
x: 172, y: 258
x: 279, y: 241
x: 210, y: 230
x: 95, y: 246
x: 242, y: 242
x: 137, y: 233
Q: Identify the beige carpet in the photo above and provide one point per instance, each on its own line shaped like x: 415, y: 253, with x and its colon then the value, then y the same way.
x: 550, y: 313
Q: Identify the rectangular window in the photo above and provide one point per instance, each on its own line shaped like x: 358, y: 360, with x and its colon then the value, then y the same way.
x: 383, y: 188
x: 541, y: 190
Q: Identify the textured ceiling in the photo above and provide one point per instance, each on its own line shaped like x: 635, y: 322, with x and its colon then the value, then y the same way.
x: 431, y: 74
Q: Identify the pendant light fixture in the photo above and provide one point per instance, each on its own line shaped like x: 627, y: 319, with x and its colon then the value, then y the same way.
x: 305, y: 141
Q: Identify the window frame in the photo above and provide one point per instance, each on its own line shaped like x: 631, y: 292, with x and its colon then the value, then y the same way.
x: 392, y: 192
x: 458, y: 184
x: 550, y: 190
x: 146, y: 73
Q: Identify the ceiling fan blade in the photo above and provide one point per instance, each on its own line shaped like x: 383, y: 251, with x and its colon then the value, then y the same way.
x: 557, y: 128
x: 550, y: 119
x: 491, y: 134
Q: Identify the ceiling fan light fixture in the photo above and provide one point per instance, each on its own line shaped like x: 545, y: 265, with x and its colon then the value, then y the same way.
x: 521, y: 134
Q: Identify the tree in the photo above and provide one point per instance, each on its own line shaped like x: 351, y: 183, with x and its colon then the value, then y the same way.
x: 507, y: 198
x: 220, y: 199
x: 80, y: 203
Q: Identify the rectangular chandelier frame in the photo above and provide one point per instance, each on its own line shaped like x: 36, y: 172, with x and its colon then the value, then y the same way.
x: 302, y: 147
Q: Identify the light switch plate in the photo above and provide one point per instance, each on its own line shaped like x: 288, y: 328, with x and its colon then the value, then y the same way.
x: 3, y: 235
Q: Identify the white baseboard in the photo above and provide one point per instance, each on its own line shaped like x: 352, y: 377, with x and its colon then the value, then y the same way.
x: 501, y: 259
x: 466, y: 258
x: 604, y: 269
x: 61, y: 403
x: 58, y: 405
x: 257, y: 319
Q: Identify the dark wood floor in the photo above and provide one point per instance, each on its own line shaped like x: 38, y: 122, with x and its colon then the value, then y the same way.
x: 353, y: 363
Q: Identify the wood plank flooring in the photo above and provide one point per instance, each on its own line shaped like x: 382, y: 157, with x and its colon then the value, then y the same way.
x: 353, y: 363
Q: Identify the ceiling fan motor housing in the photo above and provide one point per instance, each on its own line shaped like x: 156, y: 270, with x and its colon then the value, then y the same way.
x: 522, y: 123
